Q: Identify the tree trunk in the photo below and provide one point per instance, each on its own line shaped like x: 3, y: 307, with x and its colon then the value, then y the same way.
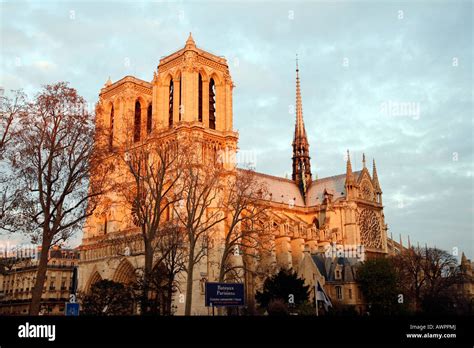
x: 37, y: 292
x: 220, y: 310
x: 222, y: 267
x: 146, y: 278
x: 249, y: 288
x: 169, y: 295
x: 189, y: 282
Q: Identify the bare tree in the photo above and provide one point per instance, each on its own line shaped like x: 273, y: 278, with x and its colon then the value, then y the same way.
x: 246, y: 215
x: 153, y: 170
x: 425, y: 273
x: 409, y: 265
x: 60, y: 176
x: 11, y: 109
x: 174, y: 251
x: 198, y: 210
x: 441, y: 272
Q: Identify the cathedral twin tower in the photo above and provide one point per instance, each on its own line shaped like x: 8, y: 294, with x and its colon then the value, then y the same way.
x: 191, y: 88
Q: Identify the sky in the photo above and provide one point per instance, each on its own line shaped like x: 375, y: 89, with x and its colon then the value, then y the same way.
x: 389, y: 79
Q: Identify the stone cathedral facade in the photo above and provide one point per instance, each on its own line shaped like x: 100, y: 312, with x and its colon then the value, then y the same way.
x: 191, y: 93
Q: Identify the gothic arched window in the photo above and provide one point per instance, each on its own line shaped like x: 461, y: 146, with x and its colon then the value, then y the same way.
x: 180, y: 101
x: 105, y: 225
x: 170, y: 104
x: 212, y: 104
x: 200, y: 98
x: 316, y: 223
x: 149, y: 119
x: 138, y: 121
x: 111, y: 135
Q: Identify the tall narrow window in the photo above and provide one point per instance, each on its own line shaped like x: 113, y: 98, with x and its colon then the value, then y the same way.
x: 212, y: 104
x: 138, y: 122
x: 170, y: 105
x: 148, y: 119
x: 111, y: 135
x: 200, y: 99
x: 180, y: 101
x: 339, y: 292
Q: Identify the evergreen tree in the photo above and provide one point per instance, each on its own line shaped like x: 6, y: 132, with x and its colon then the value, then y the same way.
x: 284, y: 287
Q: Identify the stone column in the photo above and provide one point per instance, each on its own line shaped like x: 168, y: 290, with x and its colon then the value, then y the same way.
x: 176, y: 100
x: 163, y: 102
x: 144, y: 117
x: 283, y: 252
x: 220, y: 106
x: 129, y: 119
x: 313, y: 246
x: 119, y: 120
x: 228, y: 109
x: 297, y: 249
x: 350, y: 225
x: 189, y: 94
x: 268, y: 254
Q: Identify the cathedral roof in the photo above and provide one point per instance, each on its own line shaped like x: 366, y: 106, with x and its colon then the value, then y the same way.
x: 327, y: 267
x: 109, y: 86
x: 333, y: 184
x: 190, y: 45
x: 285, y: 190
x: 281, y: 190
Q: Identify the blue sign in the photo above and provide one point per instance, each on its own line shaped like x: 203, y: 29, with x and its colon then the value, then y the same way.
x: 72, y: 309
x: 224, y: 294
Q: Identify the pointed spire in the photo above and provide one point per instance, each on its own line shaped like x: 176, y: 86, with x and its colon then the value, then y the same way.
x: 108, y: 82
x: 300, y: 131
x: 190, y: 41
x: 363, y: 160
x: 401, y: 242
x: 349, y: 174
x: 463, y: 259
x: 409, y: 244
x: 375, y: 178
x: 301, y: 160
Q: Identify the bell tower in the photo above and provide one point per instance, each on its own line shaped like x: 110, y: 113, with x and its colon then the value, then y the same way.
x: 192, y: 85
x: 192, y: 89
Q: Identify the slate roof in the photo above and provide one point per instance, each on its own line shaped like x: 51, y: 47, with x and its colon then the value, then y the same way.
x: 327, y: 267
x: 285, y: 190
x: 334, y: 184
x: 282, y: 190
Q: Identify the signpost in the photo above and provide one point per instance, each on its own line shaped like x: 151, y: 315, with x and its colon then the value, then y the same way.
x: 72, y: 309
x: 225, y: 294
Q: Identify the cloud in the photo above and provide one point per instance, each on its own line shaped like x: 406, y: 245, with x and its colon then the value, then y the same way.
x: 422, y: 56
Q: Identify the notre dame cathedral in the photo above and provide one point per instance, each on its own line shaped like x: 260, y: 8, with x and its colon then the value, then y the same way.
x: 191, y: 91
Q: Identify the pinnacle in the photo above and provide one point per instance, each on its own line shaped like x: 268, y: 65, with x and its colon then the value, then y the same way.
x: 190, y: 41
